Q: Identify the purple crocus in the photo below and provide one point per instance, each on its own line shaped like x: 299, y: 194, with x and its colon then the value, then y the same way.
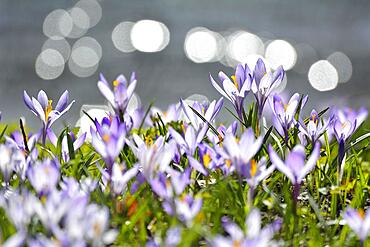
x: 108, y: 139
x: 264, y: 82
x: 189, y: 142
x: 16, y: 139
x: 344, y: 124
x: 76, y: 143
x: 42, y: 108
x: 284, y: 113
x: 167, y: 188
x: 252, y: 236
x: 314, y: 128
x: 154, y: 158
x: 346, y: 121
x: 119, y: 178
x: 358, y: 221
x: 118, y: 96
x: 240, y: 152
x: 209, y: 112
x: 236, y: 88
x: 44, y: 176
x: 187, y: 208
x: 294, y: 166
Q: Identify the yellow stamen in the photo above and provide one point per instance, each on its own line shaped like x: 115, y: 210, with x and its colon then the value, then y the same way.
x: 235, y: 82
x: 182, y: 127
x: 43, y: 199
x: 228, y: 163
x: 148, y: 141
x: 106, y: 138
x: 48, y: 109
x: 286, y: 106
x: 361, y: 213
x: 115, y: 83
x: 206, y: 160
x: 253, y: 167
x: 237, y: 243
x: 97, y: 229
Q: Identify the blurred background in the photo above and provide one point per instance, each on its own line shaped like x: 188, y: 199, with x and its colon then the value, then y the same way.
x: 173, y: 45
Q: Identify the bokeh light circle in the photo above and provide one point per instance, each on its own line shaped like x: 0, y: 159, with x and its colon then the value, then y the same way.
x: 149, y: 36
x: 121, y: 36
x: 323, y: 76
x: 81, y: 23
x: 92, y: 8
x: 281, y: 52
x: 81, y: 71
x: 61, y: 45
x: 85, y: 57
x: 57, y: 24
x: 242, y: 44
x: 49, y: 64
x: 343, y: 65
x: 201, y: 45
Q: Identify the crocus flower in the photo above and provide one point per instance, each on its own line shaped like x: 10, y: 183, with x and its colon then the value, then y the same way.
x: 253, y: 236
x: 108, y: 139
x: 314, y: 128
x: 346, y: 121
x: 284, y: 113
x: 76, y: 143
x: 240, y: 152
x: 166, y: 188
x: 358, y: 221
x: 120, y: 177
x: 264, y: 82
x: 171, y: 115
x: 173, y: 238
x: 208, y: 159
x: 221, y: 132
x: 236, y: 88
x: 12, y: 160
x: 208, y: 111
x: 187, y: 207
x: 294, y: 166
x: 344, y: 124
x: 44, y: 176
x: 120, y: 95
x: 96, y: 226
x: 42, y: 108
x: 189, y: 142
x: 16, y: 139
x: 152, y: 158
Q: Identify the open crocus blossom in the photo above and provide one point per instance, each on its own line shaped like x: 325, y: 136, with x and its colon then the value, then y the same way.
x: 346, y: 121
x: 118, y: 96
x: 344, y: 124
x: 44, y: 176
x: 294, y: 166
x: 253, y: 236
x: 314, y: 128
x: 358, y: 221
x: 284, y: 112
x: 108, y: 139
x: 240, y: 152
x: 236, y: 88
x: 154, y: 158
x: 209, y: 111
x: 42, y: 108
x: 264, y: 82
x: 120, y: 177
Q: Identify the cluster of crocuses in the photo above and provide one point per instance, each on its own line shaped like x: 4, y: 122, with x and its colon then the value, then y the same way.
x: 48, y: 206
